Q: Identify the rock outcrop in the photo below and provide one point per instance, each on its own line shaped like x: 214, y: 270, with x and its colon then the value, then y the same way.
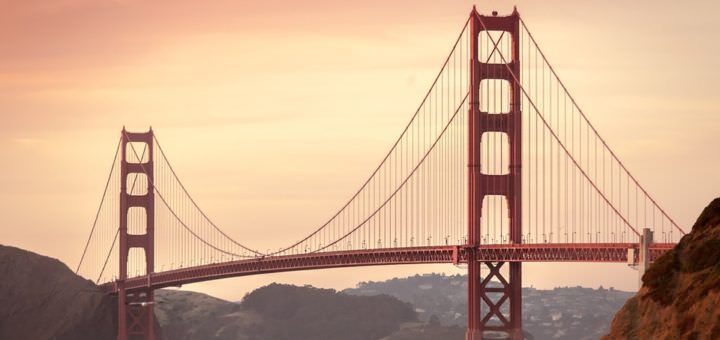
x: 680, y: 297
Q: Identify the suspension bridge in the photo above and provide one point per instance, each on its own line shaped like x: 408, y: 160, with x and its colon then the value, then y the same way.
x: 497, y: 166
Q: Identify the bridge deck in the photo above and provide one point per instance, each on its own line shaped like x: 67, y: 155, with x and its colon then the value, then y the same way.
x: 568, y: 252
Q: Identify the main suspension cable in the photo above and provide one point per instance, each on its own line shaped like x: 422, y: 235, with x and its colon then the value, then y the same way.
x: 102, y: 200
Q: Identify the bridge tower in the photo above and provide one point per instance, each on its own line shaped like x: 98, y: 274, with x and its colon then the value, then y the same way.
x: 136, y: 317
x: 482, y: 185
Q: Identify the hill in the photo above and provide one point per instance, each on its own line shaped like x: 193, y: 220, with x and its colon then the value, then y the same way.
x: 291, y: 312
x: 41, y: 298
x: 185, y: 315
x: 681, y: 290
x: 560, y: 313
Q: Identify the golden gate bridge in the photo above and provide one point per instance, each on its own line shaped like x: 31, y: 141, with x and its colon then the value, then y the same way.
x: 497, y: 166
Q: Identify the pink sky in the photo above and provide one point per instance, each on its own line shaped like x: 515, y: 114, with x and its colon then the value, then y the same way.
x: 248, y: 97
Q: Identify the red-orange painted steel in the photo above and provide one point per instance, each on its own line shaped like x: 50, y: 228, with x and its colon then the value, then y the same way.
x: 135, y: 308
x: 474, y: 182
x: 482, y: 185
x: 578, y: 252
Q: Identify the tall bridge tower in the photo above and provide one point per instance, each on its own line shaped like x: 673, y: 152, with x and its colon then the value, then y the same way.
x: 136, y: 318
x: 481, y: 185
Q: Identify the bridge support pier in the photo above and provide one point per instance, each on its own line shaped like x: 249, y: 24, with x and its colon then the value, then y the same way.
x: 136, y: 317
x: 646, y: 240
x: 497, y: 291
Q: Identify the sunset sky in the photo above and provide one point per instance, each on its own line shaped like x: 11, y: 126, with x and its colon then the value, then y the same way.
x: 274, y: 112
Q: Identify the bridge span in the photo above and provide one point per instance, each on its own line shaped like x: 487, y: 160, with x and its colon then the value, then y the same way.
x: 496, y: 167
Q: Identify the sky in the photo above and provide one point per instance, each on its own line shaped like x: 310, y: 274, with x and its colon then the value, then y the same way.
x: 273, y: 112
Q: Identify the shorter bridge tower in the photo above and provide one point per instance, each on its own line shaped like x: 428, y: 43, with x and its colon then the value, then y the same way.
x: 136, y: 317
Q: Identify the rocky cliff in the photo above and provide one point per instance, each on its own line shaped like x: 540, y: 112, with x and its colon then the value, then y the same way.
x: 680, y: 297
